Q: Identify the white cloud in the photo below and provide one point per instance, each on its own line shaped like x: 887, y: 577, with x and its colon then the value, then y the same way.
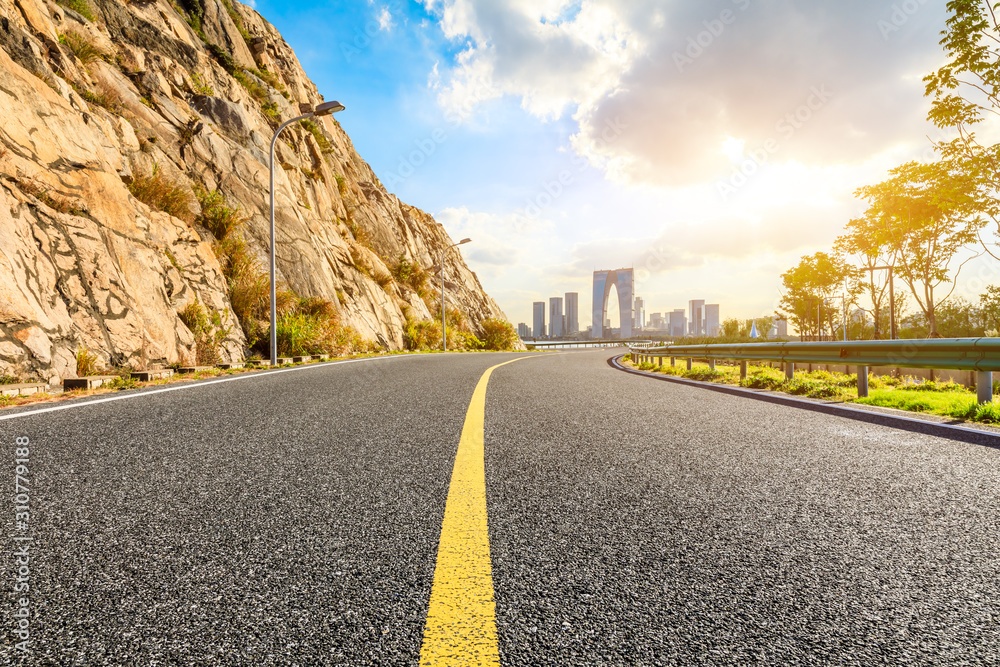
x: 385, y: 19
x: 683, y: 76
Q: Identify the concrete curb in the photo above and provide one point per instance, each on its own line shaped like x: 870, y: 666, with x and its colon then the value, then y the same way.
x: 973, y: 435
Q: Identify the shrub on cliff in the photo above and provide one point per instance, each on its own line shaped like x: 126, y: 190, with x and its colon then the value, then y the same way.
x: 208, y: 332
x: 498, y: 334
x: 160, y: 192
x: 312, y: 325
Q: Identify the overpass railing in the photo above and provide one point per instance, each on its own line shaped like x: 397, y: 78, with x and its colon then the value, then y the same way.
x: 981, y: 355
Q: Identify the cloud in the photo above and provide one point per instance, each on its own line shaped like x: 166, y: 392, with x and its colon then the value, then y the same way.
x: 385, y: 19
x: 683, y: 77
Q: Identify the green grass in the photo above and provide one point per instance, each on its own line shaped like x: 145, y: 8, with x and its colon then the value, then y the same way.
x: 81, y: 7
x: 81, y: 47
x: 947, y: 404
x: 946, y: 399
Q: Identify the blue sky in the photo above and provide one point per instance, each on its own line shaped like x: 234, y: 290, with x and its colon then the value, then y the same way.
x: 707, y: 144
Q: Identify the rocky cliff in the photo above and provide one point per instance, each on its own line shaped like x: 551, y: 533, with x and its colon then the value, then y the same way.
x: 99, y: 95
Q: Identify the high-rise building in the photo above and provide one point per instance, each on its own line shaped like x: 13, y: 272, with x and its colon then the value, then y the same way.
x: 523, y: 331
x: 555, y: 317
x: 678, y: 322
x: 623, y: 280
x: 712, y: 319
x: 696, y: 315
x: 638, y: 314
x: 656, y: 321
x: 572, y: 313
x: 781, y: 327
x: 538, y: 319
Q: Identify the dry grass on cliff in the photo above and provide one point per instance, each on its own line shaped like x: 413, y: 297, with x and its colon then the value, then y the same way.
x: 81, y: 47
x: 160, y: 192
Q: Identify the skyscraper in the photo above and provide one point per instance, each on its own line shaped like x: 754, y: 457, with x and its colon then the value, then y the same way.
x: 638, y: 314
x: 696, y: 315
x: 572, y: 313
x: 712, y: 319
x: 538, y: 319
x: 678, y: 323
x: 555, y: 317
x: 523, y: 331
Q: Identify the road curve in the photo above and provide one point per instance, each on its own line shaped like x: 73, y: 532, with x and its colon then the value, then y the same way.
x: 295, y: 518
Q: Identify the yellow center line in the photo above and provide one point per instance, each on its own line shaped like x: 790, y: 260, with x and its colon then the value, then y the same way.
x: 461, y: 619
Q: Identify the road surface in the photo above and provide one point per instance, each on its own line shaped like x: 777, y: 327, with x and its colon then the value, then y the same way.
x: 295, y: 517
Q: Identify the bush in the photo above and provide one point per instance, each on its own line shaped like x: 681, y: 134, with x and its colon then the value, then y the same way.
x: 410, y: 273
x: 216, y: 216
x: 86, y: 363
x: 81, y: 47
x: 81, y: 7
x: 498, y: 334
x: 208, y: 332
x: 163, y: 194
x: 123, y: 382
x: 423, y: 335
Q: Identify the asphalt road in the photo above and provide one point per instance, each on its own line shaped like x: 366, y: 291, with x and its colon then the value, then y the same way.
x: 294, y: 518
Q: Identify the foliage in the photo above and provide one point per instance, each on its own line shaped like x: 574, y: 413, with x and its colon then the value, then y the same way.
x: 250, y: 83
x: 317, y: 133
x: 861, y: 242
x: 208, y: 330
x: 216, y: 215
x: 422, y: 335
x: 200, y: 86
x: 924, y: 215
x: 81, y: 47
x: 410, y: 273
x: 816, y: 280
x: 159, y: 192
x: 309, y: 326
x: 949, y: 404
x: 81, y: 7
x: 123, y: 382
x: 86, y: 363
x: 964, y: 92
x: 498, y: 334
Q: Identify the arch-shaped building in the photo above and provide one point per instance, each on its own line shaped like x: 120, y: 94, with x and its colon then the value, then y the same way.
x: 624, y: 281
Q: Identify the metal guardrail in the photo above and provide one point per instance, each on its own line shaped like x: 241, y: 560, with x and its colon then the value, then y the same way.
x: 638, y: 344
x: 980, y: 355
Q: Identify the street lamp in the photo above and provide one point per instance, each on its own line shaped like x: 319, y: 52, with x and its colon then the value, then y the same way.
x: 324, y: 109
x: 444, y: 330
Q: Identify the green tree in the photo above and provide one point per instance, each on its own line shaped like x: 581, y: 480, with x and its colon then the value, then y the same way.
x: 812, y: 289
x: 862, y: 244
x: 924, y: 215
x: 989, y: 308
x: 965, y: 91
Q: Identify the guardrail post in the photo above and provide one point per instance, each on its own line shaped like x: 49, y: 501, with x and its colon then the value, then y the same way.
x: 984, y: 387
x: 862, y: 382
x: 789, y: 370
x: 743, y: 370
x: 673, y: 361
x: 711, y: 364
x: 660, y: 359
x: 689, y: 360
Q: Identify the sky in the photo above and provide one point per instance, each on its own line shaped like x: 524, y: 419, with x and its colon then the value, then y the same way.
x: 707, y: 144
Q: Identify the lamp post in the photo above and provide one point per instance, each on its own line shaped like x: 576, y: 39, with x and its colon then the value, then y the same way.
x: 324, y: 109
x: 444, y: 330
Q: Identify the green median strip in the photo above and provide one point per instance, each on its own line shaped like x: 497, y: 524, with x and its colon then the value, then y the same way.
x: 945, y: 399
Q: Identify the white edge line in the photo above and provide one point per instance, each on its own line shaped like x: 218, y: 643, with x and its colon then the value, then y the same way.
x: 195, y: 385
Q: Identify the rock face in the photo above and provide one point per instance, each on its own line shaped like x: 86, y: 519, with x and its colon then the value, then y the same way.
x: 83, y: 263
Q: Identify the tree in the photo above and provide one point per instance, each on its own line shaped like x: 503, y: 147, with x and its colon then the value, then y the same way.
x: 989, y: 308
x: 810, y: 289
x: 923, y: 213
x: 862, y: 242
x: 966, y: 91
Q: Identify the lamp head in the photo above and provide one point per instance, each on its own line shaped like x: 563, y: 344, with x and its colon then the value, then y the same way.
x: 327, y: 108
x: 464, y: 241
